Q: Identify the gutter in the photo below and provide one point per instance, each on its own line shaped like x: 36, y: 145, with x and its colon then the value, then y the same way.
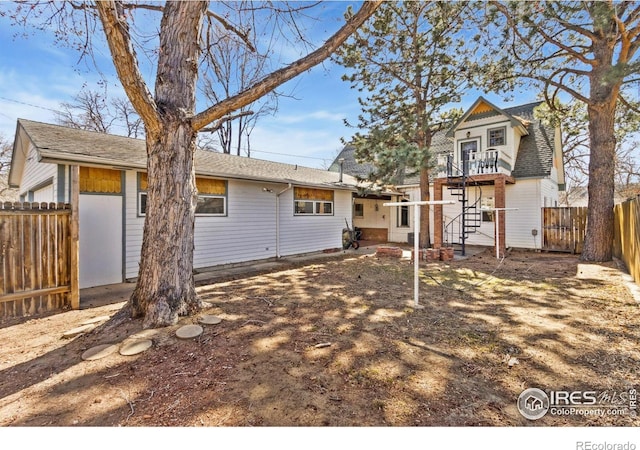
x: 289, y: 186
x: 54, y: 158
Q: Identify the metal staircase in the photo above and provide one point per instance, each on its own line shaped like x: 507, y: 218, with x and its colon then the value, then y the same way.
x: 458, y: 229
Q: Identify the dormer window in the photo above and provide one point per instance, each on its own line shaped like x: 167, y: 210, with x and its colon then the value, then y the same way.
x: 497, y: 136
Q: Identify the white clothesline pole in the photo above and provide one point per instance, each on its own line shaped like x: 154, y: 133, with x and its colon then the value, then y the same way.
x: 416, y: 239
x: 498, y: 226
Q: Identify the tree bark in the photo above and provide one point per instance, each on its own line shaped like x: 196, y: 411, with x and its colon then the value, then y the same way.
x: 425, y: 238
x: 598, y: 242
x: 165, y: 288
x: 604, y: 90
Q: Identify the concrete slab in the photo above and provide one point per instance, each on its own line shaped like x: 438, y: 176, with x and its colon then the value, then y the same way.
x: 135, y: 347
x: 99, y: 352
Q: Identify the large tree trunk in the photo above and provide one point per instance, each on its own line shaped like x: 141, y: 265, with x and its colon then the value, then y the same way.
x: 165, y: 287
x: 604, y: 89
x: 598, y: 243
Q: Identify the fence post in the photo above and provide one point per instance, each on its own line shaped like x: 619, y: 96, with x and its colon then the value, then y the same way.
x: 75, y: 237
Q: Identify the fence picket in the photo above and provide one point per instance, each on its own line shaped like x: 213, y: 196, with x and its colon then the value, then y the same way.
x: 35, y: 258
x: 563, y: 228
x: 626, y: 242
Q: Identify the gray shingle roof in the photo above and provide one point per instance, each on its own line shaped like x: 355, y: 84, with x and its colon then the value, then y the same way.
x: 440, y: 143
x: 57, y: 143
x: 535, y: 155
x: 350, y: 165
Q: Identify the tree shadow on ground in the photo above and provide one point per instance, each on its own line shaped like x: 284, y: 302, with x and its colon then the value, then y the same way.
x: 339, y: 344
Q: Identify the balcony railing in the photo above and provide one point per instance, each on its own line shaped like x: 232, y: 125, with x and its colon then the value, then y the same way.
x: 485, y: 162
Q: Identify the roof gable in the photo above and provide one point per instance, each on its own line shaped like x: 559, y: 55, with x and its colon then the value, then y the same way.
x: 482, y: 108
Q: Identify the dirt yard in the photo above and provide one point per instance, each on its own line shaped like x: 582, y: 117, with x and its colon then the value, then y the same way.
x: 337, y: 343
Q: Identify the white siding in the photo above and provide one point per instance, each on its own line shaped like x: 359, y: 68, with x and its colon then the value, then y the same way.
x: 550, y: 194
x: 397, y: 233
x: 484, y: 235
x: 248, y: 231
x: 133, y: 226
x: 35, y: 174
x: 478, y: 130
x: 46, y: 194
x: 304, y: 234
x: 400, y: 234
x: 526, y: 195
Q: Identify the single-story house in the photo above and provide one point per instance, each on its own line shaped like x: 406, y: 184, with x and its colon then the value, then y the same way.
x: 491, y: 161
x: 248, y: 209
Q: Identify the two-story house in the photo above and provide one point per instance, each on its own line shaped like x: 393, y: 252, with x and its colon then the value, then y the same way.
x: 500, y: 166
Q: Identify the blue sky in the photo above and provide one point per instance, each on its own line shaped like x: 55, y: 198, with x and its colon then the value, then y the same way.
x: 36, y: 76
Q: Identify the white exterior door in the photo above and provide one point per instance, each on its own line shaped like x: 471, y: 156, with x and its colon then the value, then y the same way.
x: 100, y: 240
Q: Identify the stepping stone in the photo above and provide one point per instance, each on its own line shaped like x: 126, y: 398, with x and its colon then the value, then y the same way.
x: 144, y: 334
x: 99, y: 351
x: 133, y: 348
x: 76, y: 331
x: 95, y: 320
x: 189, y: 331
x: 209, y: 320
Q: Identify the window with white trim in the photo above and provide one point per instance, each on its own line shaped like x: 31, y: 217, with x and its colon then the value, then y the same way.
x: 403, y: 216
x: 315, y: 202
x: 212, y: 196
x: 488, y: 204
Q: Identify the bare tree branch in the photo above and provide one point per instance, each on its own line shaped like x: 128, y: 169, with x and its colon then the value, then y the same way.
x: 117, y: 31
x: 278, y: 77
x: 217, y: 124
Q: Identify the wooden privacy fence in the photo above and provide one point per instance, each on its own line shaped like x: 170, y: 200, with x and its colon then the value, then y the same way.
x: 626, y: 235
x: 563, y: 228
x: 38, y: 272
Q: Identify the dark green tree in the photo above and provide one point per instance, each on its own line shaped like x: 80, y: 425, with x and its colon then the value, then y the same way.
x: 409, y: 63
x: 585, y: 50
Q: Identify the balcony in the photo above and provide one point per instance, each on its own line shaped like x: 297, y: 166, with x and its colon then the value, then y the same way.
x: 479, y: 163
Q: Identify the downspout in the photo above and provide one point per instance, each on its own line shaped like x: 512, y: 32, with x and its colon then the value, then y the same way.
x: 278, y: 219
